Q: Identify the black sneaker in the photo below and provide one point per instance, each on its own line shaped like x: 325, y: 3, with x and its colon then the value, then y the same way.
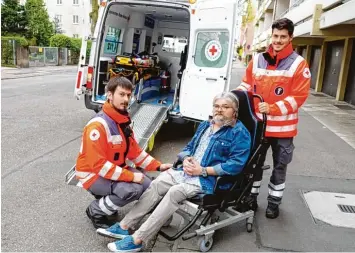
x: 99, y: 222
x: 272, y: 211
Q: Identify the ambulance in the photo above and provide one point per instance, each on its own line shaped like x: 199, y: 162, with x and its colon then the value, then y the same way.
x: 130, y: 33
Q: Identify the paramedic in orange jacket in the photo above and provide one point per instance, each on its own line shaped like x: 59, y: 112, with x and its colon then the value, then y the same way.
x: 282, y: 78
x: 106, y: 143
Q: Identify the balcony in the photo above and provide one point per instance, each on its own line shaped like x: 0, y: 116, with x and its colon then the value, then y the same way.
x: 331, y: 13
x: 266, y: 5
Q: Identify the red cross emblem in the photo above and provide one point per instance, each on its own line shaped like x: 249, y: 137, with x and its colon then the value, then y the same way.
x: 213, y: 50
x: 306, y: 73
x: 94, y: 135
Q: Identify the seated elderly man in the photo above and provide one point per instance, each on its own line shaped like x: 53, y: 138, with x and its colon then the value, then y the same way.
x: 219, y: 147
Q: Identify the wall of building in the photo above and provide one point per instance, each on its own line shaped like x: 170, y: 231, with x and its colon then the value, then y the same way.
x: 328, y: 49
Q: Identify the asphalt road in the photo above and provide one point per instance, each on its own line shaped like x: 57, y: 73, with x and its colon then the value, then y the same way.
x: 41, y: 131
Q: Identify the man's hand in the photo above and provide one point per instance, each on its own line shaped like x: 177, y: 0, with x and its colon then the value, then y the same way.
x: 187, y: 163
x: 165, y: 166
x: 194, y: 170
x: 264, y: 108
x: 138, y: 177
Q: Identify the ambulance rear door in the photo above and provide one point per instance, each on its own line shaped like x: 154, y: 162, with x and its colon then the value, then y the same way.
x: 208, y: 69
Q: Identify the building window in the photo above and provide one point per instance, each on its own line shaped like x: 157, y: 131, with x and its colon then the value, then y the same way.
x: 76, y: 2
x: 59, y: 1
x: 75, y: 35
x: 58, y: 19
x: 75, y: 19
x: 113, y: 45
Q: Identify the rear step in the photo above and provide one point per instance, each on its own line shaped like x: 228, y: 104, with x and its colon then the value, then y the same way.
x: 146, y: 119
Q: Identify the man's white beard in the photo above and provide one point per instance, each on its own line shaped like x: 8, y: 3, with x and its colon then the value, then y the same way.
x: 220, y: 119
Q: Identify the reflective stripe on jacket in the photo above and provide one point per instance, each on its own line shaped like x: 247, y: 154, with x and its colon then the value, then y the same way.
x: 104, y: 151
x: 284, y: 85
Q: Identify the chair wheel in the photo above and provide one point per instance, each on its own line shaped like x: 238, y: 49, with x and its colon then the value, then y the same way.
x: 249, y: 227
x: 204, y: 245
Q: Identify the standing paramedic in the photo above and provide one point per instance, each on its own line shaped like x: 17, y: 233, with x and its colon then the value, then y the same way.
x: 282, y: 78
x: 107, y: 142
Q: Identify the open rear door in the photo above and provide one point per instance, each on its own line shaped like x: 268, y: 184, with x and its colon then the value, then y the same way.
x: 208, y: 69
x: 82, y: 70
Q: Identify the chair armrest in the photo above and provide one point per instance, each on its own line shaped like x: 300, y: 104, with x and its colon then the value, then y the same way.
x: 177, y: 163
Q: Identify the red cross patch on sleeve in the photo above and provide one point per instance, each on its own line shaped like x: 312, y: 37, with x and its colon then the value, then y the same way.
x: 94, y: 135
x: 306, y: 73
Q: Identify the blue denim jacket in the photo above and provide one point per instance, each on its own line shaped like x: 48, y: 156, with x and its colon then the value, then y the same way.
x: 227, y: 152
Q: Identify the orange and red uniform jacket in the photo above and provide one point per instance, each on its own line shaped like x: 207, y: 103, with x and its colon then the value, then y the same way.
x: 102, y: 151
x: 284, y: 82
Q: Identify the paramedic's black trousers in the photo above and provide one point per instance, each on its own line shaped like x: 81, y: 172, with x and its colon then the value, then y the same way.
x: 115, y: 194
x: 282, y: 152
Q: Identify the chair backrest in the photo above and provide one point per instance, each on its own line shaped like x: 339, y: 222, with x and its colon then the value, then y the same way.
x: 248, y: 117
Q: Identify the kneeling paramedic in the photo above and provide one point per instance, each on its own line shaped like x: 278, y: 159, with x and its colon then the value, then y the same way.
x: 106, y: 143
x: 219, y: 147
x: 282, y: 78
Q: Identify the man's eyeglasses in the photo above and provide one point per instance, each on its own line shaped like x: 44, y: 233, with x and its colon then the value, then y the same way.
x: 223, y: 107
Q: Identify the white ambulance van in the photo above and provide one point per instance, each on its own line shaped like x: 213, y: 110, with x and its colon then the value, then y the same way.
x: 128, y: 41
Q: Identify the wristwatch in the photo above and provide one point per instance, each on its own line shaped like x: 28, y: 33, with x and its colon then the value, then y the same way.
x: 204, y: 172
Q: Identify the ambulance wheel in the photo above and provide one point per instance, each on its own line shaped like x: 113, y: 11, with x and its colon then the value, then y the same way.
x: 204, y: 245
x: 151, y: 143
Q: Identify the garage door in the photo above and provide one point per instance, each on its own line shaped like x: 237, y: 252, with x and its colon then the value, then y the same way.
x: 332, y: 67
x: 350, y: 86
x: 313, y: 65
x: 304, y: 52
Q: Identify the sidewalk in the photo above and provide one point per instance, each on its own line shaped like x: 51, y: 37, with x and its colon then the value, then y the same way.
x: 15, y: 73
x: 323, y: 165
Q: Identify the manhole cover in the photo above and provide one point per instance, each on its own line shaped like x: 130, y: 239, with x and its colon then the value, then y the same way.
x: 345, y: 107
x: 318, y: 95
x: 336, y: 209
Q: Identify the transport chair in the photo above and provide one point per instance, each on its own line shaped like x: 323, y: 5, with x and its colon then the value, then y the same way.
x: 225, y: 207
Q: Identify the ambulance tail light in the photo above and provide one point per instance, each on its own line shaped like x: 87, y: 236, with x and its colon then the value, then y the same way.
x: 89, y: 77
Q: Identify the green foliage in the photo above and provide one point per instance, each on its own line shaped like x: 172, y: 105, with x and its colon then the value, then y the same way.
x: 60, y: 40
x: 8, y: 47
x: 19, y: 40
x: 13, y: 18
x: 73, y: 44
x: 249, y: 17
x: 94, y: 14
x: 39, y: 25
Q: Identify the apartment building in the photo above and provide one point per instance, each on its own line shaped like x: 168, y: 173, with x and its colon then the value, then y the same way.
x: 324, y: 35
x: 69, y: 15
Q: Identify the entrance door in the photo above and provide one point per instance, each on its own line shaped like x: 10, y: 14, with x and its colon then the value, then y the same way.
x: 208, y: 68
x: 314, y: 64
x: 350, y: 86
x: 332, y: 67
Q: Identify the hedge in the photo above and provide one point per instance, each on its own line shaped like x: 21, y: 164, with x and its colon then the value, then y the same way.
x: 7, y: 48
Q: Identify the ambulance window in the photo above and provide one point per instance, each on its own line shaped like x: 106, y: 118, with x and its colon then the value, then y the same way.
x: 211, y: 49
x: 112, y: 41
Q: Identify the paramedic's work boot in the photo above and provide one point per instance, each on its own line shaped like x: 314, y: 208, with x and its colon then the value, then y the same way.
x: 115, y: 231
x: 272, y: 211
x: 126, y: 244
x: 98, y: 221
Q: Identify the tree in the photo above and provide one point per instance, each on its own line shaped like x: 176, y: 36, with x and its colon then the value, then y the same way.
x: 13, y: 18
x: 57, y: 26
x: 39, y: 25
x: 94, y: 14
